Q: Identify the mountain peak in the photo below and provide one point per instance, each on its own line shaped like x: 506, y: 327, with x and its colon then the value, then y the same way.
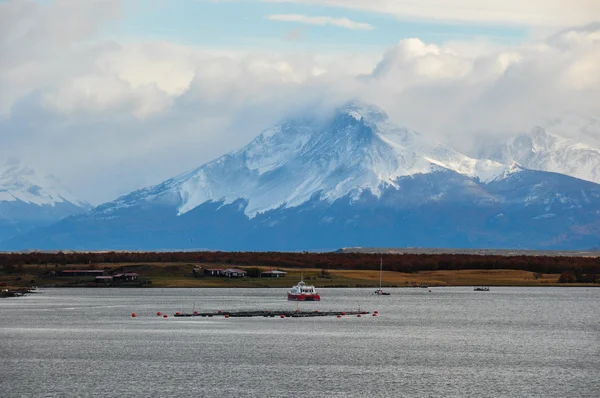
x: 29, y: 199
x: 20, y: 181
x: 552, y: 148
x: 356, y: 149
x: 361, y: 110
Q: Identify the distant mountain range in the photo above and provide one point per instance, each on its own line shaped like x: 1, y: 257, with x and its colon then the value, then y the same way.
x: 354, y: 179
x: 567, y: 146
x: 29, y: 200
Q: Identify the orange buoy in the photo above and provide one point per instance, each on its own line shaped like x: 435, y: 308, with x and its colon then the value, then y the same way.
x: 316, y: 310
x: 178, y: 313
x: 364, y: 312
x: 133, y: 315
x: 282, y: 316
x: 374, y: 314
x: 343, y: 313
x: 339, y: 316
x: 195, y: 312
x: 165, y: 316
x: 358, y: 315
x: 227, y: 316
x: 158, y: 313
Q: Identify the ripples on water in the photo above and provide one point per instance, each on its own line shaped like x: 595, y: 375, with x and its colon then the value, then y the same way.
x: 509, y: 342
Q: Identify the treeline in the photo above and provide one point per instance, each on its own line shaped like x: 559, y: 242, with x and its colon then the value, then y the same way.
x: 347, y: 261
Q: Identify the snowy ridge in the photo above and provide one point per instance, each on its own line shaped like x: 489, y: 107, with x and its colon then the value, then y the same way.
x: 358, y: 149
x: 575, y: 127
x: 553, y: 149
x: 19, y: 182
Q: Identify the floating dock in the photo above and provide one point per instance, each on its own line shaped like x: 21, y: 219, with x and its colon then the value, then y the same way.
x: 272, y: 313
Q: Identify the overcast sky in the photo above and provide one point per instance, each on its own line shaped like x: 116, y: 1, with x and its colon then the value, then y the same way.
x: 112, y: 96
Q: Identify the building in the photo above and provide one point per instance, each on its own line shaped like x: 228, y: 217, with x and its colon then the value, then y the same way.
x: 234, y: 273
x: 127, y: 276
x: 213, y: 272
x: 228, y: 273
x: 273, y: 274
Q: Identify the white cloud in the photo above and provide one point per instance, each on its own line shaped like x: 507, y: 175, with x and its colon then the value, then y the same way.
x: 110, y: 116
x: 453, y: 93
x: 513, y: 12
x: 34, y: 36
x: 322, y: 21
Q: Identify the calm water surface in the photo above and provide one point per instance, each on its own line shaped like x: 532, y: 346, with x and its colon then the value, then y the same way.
x: 509, y: 342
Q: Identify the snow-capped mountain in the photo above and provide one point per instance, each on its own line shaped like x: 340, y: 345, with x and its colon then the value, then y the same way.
x: 29, y: 200
x: 568, y: 146
x: 358, y: 150
x: 354, y: 179
x: 21, y: 182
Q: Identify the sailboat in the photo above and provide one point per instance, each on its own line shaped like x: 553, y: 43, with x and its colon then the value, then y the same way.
x: 380, y: 291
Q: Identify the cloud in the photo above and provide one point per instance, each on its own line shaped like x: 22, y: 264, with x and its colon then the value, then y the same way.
x: 511, y: 12
x: 321, y: 21
x: 33, y: 35
x: 451, y: 92
x: 109, y: 116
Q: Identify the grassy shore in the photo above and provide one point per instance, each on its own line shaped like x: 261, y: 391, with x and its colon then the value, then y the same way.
x: 180, y: 275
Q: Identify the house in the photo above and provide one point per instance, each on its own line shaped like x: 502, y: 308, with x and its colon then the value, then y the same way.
x: 273, y: 274
x: 229, y: 272
x: 213, y: 272
x: 234, y: 273
x: 83, y: 272
x: 127, y: 276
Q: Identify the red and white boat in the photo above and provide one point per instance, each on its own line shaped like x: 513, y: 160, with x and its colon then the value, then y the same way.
x: 303, y: 292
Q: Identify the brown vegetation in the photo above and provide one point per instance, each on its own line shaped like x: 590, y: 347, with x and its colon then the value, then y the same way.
x: 352, y: 269
x: 348, y: 261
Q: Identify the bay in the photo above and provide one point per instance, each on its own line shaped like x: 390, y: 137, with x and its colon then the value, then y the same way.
x: 509, y: 342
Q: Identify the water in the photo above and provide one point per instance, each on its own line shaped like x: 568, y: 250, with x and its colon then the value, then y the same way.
x: 509, y: 342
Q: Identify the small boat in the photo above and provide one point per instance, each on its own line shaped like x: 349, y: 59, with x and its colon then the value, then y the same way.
x: 380, y: 291
x: 303, y: 292
x: 482, y: 289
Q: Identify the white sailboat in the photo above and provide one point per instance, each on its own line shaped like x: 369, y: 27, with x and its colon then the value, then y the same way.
x: 380, y: 291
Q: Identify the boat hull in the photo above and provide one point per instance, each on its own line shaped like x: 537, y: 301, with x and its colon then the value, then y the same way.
x: 304, y: 297
x: 380, y: 292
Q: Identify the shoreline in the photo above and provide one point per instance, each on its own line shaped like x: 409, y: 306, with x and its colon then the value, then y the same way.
x: 177, y: 275
x: 320, y: 287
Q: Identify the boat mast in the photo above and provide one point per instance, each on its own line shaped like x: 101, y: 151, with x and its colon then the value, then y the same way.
x: 380, y: 271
